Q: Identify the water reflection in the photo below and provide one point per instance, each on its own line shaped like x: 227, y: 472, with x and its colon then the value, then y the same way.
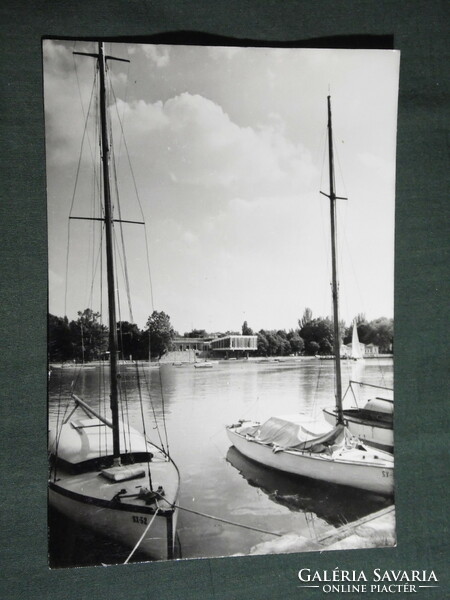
x: 333, y: 503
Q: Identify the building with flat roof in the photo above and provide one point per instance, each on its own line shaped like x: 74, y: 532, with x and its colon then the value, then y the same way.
x: 187, y: 343
x: 234, y: 345
x: 226, y: 346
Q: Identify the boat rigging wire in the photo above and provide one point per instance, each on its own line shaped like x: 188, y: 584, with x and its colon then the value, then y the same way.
x: 124, y: 263
x: 153, y: 408
x: 316, y: 390
x: 95, y: 67
x: 124, y: 409
x: 141, y: 404
x: 75, y: 188
x: 123, y: 138
x: 121, y: 120
x: 137, y: 195
x: 58, y: 417
x: 59, y: 430
x: 163, y: 406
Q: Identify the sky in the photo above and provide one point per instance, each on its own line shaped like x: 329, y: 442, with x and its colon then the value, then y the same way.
x: 228, y: 154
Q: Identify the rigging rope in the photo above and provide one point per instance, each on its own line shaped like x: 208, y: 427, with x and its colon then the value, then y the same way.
x: 122, y: 137
x: 85, y: 116
x: 147, y: 384
x: 122, y: 390
x: 119, y: 210
x: 163, y: 406
x: 58, y: 414
x: 316, y: 391
x: 143, y: 425
x: 75, y: 189
x: 137, y: 196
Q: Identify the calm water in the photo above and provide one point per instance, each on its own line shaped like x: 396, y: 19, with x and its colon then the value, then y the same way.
x: 215, y: 478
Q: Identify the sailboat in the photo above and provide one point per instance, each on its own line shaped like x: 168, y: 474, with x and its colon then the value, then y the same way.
x: 288, y: 443
x: 356, y: 353
x: 104, y: 474
x: 374, y: 421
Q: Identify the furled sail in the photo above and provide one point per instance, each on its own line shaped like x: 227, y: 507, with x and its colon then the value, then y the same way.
x: 289, y: 432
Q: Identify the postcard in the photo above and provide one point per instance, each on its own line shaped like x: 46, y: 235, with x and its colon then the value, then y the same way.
x: 221, y: 323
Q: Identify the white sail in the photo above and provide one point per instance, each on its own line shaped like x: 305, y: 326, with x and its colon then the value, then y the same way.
x: 356, y: 346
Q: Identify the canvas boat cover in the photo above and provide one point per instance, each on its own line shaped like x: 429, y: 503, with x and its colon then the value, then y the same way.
x: 289, y: 432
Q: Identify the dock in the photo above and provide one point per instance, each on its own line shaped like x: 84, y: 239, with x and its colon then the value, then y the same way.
x: 373, y: 531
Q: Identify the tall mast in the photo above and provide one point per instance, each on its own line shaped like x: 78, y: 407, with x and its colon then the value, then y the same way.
x: 335, y: 286
x: 105, y: 156
x: 108, y: 220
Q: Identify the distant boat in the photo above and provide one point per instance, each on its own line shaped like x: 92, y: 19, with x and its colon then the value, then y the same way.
x: 104, y: 474
x: 356, y: 346
x: 374, y: 421
x: 289, y: 444
x: 203, y: 365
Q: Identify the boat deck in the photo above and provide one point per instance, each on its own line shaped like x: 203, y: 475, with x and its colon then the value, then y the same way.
x: 99, y: 489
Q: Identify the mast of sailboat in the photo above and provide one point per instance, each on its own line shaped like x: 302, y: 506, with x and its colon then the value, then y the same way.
x: 108, y: 219
x: 105, y: 156
x: 335, y: 286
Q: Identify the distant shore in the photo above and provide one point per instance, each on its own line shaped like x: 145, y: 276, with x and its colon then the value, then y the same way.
x: 167, y: 360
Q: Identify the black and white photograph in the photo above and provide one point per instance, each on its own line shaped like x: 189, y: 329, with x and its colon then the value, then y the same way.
x: 220, y: 300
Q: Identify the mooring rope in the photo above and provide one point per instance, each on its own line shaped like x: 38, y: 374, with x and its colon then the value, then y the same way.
x: 142, y: 536
x: 227, y: 521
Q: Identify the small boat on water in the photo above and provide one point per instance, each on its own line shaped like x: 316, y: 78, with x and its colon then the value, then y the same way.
x: 105, y: 474
x: 203, y: 365
x: 289, y: 443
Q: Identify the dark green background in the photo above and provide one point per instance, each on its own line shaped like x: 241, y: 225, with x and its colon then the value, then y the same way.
x: 419, y: 30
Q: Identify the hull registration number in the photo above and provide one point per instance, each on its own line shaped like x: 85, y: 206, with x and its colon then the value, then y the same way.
x: 139, y: 519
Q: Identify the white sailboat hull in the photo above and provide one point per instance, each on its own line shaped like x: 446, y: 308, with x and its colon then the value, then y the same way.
x: 115, y: 502
x: 125, y: 526
x: 374, y: 434
x: 343, y: 470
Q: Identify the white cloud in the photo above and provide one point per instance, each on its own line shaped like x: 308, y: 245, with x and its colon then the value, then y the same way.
x: 189, y: 139
x: 376, y: 162
x: 193, y: 139
x: 160, y: 55
x: 189, y: 238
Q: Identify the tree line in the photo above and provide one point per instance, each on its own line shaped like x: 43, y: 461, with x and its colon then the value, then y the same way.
x: 316, y: 336
x: 87, y: 337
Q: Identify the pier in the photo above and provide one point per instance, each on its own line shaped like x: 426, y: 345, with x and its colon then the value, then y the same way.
x: 373, y: 531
